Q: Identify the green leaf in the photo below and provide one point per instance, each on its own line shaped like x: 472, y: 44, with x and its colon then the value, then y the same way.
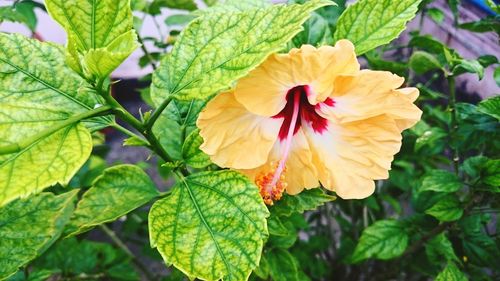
x: 316, y: 32
x: 483, y: 170
x: 422, y: 62
x: 100, y: 34
x: 181, y: 20
x: 436, y: 15
x: 211, y: 226
x: 155, y: 7
x: 451, y: 273
x: 194, y: 71
x: 234, y: 6
x: 496, y: 75
x: 372, y: 23
x: 41, y: 101
x: 440, y: 181
x: 191, y: 152
x: 490, y: 106
x: 118, y: 191
x: 385, y: 239
x: 282, y: 265
x: 103, y: 61
x: 308, y: 199
x: 29, y: 226
x: 283, y: 239
x: 487, y: 60
x: 176, y: 122
x: 276, y: 227
x: 440, y: 248
x: 446, y: 209
x: 468, y: 66
x: 479, y: 248
x: 486, y: 24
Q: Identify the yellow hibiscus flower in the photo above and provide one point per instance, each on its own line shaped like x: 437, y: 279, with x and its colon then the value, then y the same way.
x: 308, y: 117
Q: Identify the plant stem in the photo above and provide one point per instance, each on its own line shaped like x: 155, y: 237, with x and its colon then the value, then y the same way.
x: 146, y: 52
x: 123, y: 114
x: 119, y: 243
x: 454, y: 123
x: 157, y: 113
x: 103, y: 110
x: 127, y: 132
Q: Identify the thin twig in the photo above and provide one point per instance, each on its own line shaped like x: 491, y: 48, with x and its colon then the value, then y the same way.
x: 119, y: 243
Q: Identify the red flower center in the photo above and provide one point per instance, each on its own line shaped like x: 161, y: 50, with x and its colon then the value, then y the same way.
x: 307, y: 112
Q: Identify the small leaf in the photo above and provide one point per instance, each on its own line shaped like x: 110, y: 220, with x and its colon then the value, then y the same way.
x: 179, y: 20
x: 191, y: 152
x: 478, y: 246
x: 440, y: 181
x: 496, y: 75
x: 308, y: 199
x: 470, y: 66
x: 29, y: 226
x: 118, y: 191
x: 451, y: 273
x: 385, y: 239
x: 241, y: 41
x: 491, y: 107
x: 436, y: 15
x: 487, y: 60
x: 446, y: 209
x: 422, y: 62
x: 486, y: 24
x: 188, y: 5
x: 316, y: 32
x: 212, y: 226
x: 282, y: 265
x: 372, y: 23
x: 276, y: 227
x: 440, y: 248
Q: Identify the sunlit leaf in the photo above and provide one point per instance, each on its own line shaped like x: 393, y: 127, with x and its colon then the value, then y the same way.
x: 371, y: 23
x: 118, y: 191
x: 212, y: 226
x: 242, y: 40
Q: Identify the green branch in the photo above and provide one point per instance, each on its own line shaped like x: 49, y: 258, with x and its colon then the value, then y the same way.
x: 13, y: 148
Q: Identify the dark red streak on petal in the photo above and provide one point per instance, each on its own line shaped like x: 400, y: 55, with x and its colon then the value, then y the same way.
x: 307, y: 112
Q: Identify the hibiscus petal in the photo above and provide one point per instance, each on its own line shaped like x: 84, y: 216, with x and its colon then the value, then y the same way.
x: 234, y: 137
x: 350, y: 156
x: 371, y: 93
x: 263, y: 91
x: 300, y: 170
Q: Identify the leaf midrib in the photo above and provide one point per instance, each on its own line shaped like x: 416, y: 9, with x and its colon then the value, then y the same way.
x: 209, y: 229
x: 49, y: 86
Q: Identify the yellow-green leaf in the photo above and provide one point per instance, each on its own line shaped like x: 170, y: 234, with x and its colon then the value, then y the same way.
x: 212, y: 226
x: 215, y: 50
x: 118, y: 191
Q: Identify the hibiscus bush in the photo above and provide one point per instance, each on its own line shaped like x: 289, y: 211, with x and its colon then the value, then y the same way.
x: 307, y: 140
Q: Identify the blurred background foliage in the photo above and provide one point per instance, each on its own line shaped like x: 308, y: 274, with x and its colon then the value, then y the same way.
x: 435, y: 218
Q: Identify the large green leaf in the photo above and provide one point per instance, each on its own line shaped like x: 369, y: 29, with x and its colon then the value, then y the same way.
x: 212, y: 226
x: 371, y: 23
x: 100, y: 35
x: 440, y: 248
x: 29, y: 226
x: 39, y: 98
x: 215, y: 50
x: 118, y: 191
x: 383, y: 240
